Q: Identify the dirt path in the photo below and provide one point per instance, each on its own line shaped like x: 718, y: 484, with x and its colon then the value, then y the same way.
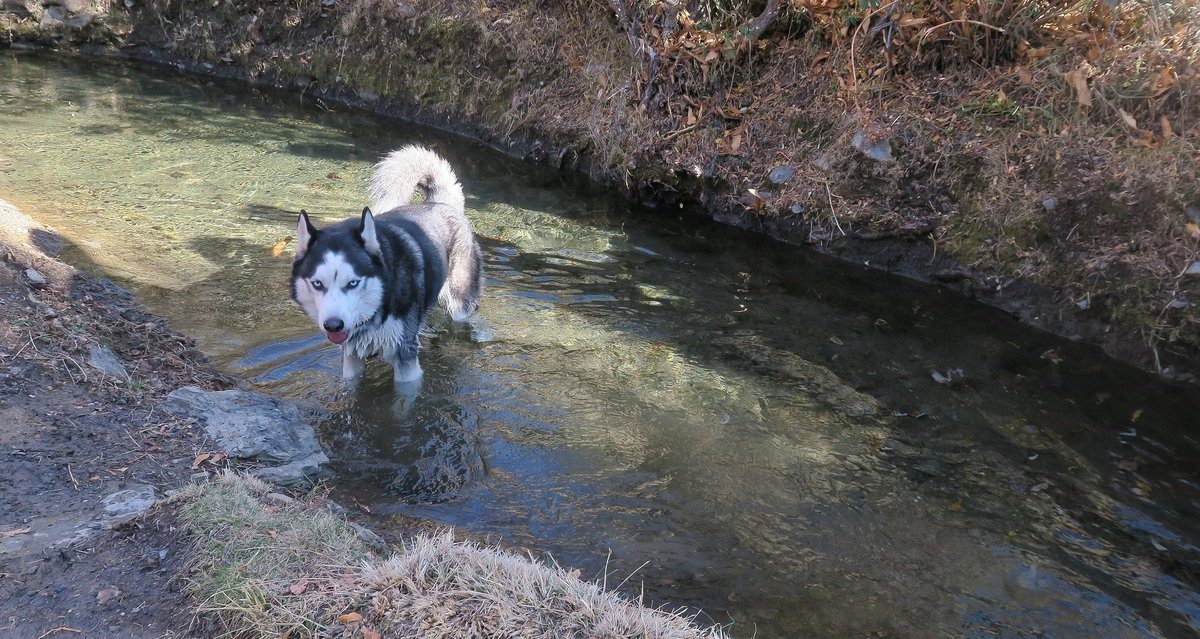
x: 82, y: 450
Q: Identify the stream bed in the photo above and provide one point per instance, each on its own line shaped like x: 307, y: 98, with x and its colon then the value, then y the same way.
x: 697, y: 415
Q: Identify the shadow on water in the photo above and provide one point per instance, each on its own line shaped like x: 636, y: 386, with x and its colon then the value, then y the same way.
x: 759, y: 425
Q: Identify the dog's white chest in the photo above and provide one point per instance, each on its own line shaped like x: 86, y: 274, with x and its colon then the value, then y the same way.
x: 382, y: 340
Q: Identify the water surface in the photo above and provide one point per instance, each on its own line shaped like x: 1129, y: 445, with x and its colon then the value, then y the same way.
x: 705, y: 417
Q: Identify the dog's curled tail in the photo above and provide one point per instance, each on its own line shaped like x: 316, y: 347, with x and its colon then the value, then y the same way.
x: 404, y: 170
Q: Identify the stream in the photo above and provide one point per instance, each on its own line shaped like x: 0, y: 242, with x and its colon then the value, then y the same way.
x: 696, y: 415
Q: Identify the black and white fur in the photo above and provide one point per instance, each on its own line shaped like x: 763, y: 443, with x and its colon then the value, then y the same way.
x: 369, y: 283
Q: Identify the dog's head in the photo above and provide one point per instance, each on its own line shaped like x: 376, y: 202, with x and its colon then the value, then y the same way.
x: 336, y: 275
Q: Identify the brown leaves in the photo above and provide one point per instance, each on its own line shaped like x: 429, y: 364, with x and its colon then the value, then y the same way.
x: 730, y: 142
x: 212, y: 458
x: 1077, y: 80
x: 277, y: 249
x: 350, y: 617
x: 299, y: 587
x: 14, y: 532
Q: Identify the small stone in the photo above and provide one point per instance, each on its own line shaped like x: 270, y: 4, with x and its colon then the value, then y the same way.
x: 278, y: 498
x: 107, y: 594
x: 53, y: 17
x: 1194, y: 269
x: 796, y: 209
x: 127, y: 504
x: 1193, y: 213
x: 780, y: 174
x: 1050, y: 203
x: 36, y: 280
x: 878, y: 150
x: 80, y: 21
x: 1178, y: 304
x: 106, y: 362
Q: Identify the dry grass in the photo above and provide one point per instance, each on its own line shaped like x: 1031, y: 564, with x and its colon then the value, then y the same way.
x: 268, y: 567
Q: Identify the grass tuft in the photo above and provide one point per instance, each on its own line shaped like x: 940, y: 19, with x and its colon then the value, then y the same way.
x: 268, y: 566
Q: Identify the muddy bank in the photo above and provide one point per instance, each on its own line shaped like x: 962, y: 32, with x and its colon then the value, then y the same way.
x: 86, y: 454
x: 1064, y: 221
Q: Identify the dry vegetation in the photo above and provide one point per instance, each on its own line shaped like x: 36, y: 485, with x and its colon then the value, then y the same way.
x: 1045, y: 143
x: 270, y: 566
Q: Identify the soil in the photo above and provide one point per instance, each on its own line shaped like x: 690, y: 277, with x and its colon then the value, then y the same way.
x: 72, y: 436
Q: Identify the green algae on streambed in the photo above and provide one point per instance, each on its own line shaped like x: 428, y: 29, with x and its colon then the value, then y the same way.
x: 735, y: 424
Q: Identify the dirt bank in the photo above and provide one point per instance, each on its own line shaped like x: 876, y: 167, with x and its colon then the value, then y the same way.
x: 82, y: 369
x: 1048, y: 167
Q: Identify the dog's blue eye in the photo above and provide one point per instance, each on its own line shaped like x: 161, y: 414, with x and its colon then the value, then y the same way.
x: 318, y: 285
x: 352, y: 284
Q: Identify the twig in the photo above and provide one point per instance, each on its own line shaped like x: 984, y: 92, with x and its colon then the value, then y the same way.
x: 672, y: 136
x: 832, y: 212
x: 72, y: 475
x: 60, y: 629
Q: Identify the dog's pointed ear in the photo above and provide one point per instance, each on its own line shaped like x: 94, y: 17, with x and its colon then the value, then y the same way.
x: 306, y: 234
x: 366, y: 232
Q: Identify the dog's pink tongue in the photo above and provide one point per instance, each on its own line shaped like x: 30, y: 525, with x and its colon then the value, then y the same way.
x: 338, y: 337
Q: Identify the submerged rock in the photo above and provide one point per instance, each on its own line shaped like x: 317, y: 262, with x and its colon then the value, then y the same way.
x: 257, y: 427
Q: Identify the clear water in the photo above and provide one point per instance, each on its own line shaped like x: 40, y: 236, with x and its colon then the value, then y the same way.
x: 708, y: 418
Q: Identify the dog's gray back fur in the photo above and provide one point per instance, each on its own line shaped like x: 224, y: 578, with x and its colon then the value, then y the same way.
x: 441, y: 216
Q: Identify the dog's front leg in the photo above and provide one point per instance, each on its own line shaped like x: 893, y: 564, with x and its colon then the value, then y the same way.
x: 405, y: 363
x: 352, y: 365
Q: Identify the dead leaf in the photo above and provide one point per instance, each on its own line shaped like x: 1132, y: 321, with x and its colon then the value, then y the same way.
x: 272, y: 534
x: 1165, y: 125
x: 14, y: 532
x: 200, y: 459
x: 1128, y: 119
x: 277, y: 250
x: 371, y: 634
x: 1078, y: 81
x: 350, y: 617
x: 1136, y: 415
x: 1193, y: 230
x: 299, y: 587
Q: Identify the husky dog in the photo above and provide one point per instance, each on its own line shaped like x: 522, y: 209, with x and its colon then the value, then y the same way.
x: 369, y: 283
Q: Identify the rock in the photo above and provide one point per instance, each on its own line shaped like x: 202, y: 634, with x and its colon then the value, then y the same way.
x: 1050, y: 203
x: 72, y: 6
x: 1193, y: 214
x: 106, y: 362
x: 36, y: 280
x: 106, y: 595
x: 951, y: 376
x: 300, y: 472
x: 80, y: 21
x: 1193, y: 269
x: 128, y: 504
x: 255, y: 426
x: 780, y: 174
x: 278, y: 498
x: 52, y: 18
x: 796, y: 209
x: 878, y: 150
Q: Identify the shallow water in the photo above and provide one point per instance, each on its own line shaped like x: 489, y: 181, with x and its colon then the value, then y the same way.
x: 705, y: 417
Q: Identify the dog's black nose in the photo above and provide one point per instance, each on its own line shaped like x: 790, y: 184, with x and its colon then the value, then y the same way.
x: 334, y: 325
